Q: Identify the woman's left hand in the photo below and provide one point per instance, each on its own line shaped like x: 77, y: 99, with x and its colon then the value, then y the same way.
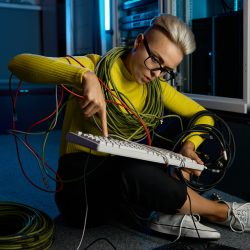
x: 188, y: 150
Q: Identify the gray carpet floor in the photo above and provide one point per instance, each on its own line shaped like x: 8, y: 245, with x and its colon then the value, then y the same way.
x: 14, y: 187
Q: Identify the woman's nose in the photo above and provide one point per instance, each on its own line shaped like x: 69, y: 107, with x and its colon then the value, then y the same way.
x: 156, y: 73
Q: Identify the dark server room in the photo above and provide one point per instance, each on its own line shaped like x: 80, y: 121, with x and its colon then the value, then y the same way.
x: 124, y: 124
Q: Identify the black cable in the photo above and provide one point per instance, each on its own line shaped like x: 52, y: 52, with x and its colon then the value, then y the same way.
x: 86, y: 210
x: 86, y: 201
x: 222, y: 136
x: 25, y: 214
x: 105, y: 239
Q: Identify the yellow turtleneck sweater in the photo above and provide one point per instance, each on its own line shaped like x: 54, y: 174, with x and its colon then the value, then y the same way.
x: 41, y: 69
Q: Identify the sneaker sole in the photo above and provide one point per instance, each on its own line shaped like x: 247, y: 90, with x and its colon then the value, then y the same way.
x: 185, y: 231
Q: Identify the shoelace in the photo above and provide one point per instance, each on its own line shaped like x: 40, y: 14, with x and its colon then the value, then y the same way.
x: 241, y: 215
x: 195, y: 219
x: 154, y: 215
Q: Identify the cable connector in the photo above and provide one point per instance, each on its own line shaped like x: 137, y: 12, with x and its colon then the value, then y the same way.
x: 220, y: 164
x: 215, y: 197
x: 207, y: 136
x: 225, y: 155
x: 213, y: 170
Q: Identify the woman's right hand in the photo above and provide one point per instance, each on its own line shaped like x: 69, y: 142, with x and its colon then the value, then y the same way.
x: 93, y: 100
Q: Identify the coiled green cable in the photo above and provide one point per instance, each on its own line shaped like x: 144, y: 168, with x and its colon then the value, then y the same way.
x: 23, y: 227
x: 122, y: 123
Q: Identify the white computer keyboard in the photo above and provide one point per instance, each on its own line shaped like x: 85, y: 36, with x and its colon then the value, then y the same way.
x: 132, y: 150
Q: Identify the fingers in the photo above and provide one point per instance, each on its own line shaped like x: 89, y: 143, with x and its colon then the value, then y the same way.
x: 192, y: 171
x: 196, y: 172
x: 93, y: 101
x: 90, y: 108
x: 103, y: 118
x: 195, y: 157
x: 92, y: 105
x: 188, y: 150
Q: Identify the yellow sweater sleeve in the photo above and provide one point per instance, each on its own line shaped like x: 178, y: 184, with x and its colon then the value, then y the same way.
x: 184, y: 106
x: 41, y: 69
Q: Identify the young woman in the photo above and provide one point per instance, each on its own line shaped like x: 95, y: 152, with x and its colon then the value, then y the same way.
x: 138, y: 77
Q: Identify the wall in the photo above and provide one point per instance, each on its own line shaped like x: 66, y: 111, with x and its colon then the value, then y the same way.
x: 32, y: 105
x: 237, y: 179
x: 27, y: 29
x: 20, y: 33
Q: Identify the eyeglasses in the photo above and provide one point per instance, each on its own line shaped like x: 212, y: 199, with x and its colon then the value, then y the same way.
x: 152, y: 63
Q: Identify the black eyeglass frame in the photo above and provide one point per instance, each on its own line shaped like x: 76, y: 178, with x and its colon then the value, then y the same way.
x: 163, y: 70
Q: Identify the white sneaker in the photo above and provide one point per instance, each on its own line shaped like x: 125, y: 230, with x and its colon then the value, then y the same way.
x: 183, y: 226
x: 238, y: 217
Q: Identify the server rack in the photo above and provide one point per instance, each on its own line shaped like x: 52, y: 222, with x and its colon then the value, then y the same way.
x: 131, y: 17
x: 219, y: 51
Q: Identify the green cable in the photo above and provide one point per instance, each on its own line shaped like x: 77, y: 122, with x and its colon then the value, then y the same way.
x: 23, y: 227
x: 51, y: 127
x: 122, y: 123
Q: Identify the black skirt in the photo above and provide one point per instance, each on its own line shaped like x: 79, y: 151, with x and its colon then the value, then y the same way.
x: 105, y: 184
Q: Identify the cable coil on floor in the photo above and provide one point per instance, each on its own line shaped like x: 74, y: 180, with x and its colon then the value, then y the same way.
x: 23, y: 227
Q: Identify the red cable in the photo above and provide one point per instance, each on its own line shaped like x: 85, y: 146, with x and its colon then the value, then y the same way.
x: 122, y: 103
x: 35, y: 152
x: 49, y: 116
x: 31, y: 148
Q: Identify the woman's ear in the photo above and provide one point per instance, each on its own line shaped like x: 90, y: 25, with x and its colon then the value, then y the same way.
x: 138, y: 40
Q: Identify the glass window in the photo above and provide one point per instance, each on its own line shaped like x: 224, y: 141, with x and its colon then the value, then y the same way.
x: 216, y: 74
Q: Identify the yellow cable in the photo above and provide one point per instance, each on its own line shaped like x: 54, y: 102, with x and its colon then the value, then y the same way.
x: 23, y: 227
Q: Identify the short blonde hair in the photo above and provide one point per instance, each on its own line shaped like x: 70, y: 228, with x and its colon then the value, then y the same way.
x: 176, y: 30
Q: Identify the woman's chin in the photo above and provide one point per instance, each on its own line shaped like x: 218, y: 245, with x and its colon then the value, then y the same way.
x: 142, y: 80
